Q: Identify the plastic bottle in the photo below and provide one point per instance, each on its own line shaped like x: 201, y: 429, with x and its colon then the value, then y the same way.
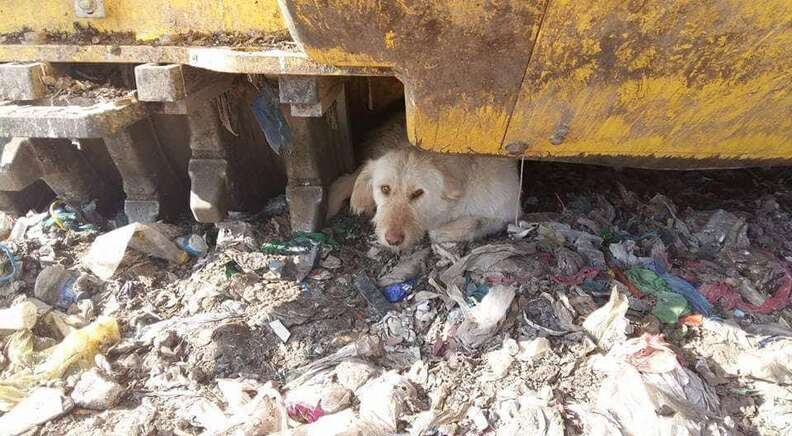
x: 193, y: 245
x: 398, y: 291
x: 60, y: 287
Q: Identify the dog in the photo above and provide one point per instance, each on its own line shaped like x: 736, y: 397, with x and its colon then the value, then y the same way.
x: 412, y: 192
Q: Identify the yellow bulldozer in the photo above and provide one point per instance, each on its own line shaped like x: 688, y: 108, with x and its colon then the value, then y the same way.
x: 217, y: 104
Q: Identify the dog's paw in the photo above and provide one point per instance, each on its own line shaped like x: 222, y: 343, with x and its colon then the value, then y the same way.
x: 444, y: 236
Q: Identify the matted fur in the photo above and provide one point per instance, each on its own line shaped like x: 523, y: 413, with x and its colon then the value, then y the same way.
x: 463, y: 197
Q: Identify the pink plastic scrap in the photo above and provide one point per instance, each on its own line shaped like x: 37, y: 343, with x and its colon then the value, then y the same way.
x: 303, y: 413
x: 728, y: 298
x: 651, y: 353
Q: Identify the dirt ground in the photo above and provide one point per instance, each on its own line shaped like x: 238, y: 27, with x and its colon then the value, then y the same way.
x: 221, y: 306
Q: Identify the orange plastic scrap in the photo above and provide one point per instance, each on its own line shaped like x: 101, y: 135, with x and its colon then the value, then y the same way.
x: 692, y: 320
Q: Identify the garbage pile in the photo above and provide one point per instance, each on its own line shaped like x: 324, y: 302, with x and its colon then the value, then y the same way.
x: 617, y: 312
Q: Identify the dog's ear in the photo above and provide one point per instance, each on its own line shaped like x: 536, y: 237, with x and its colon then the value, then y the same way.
x: 362, y: 200
x: 453, y: 179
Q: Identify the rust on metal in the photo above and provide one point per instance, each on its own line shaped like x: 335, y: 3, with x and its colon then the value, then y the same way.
x: 690, y: 82
x: 219, y: 59
x: 462, y: 63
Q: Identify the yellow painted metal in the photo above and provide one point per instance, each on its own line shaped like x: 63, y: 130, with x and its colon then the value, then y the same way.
x: 461, y: 62
x: 659, y: 79
x: 563, y: 79
x: 705, y: 81
x: 149, y: 19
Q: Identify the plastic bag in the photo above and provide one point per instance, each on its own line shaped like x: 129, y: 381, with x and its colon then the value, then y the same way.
x: 108, y: 250
x: 29, y: 368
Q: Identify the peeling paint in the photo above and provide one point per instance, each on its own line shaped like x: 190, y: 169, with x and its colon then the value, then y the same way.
x: 149, y: 20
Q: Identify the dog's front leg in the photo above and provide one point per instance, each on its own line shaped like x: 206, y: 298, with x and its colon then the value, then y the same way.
x: 466, y: 229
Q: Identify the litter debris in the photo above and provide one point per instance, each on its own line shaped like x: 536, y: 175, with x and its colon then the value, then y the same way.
x: 9, y: 265
x: 300, y: 243
x: 608, y: 309
x: 670, y: 305
x: 384, y: 400
x: 729, y: 299
x: 252, y: 409
x: 486, y: 259
x: 397, y: 292
x: 108, y: 250
x: 648, y: 390
x: 407, y: 269
x: 280, y: 330
x: 353, y: 374
x: 608, y: 324
x: 577, y: 278
x: 61, y: 288
x: 481, y: 321
x: 305, y: 414
x: 531, y: 349
x: 20, y: 316
x: 231, y: 234
x: 723, y: 230
x: 529, y: 413
x: 623, y: 253
x: 193, y: 245
x: 335, y: 398
x: 42, y: 405
x: 362, y: 347
x: 479, y: 420
x: 499, y: 361
x: 6, y: 226
x: 96, y: 391
x: 369, y: 291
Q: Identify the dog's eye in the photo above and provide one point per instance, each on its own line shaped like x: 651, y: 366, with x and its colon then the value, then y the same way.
x: 385, y: 189
x: 417, y: 193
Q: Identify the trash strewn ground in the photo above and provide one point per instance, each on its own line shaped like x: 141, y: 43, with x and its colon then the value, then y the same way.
x: 623, y: 302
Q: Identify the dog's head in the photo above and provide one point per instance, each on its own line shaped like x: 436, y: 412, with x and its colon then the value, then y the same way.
x: 409, y: 192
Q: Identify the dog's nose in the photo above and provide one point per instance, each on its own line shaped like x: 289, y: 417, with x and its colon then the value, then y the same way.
x: 394, y: 237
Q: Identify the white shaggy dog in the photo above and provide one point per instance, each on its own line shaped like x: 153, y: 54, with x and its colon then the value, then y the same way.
x: 450, y: 197
x: 413, y: 192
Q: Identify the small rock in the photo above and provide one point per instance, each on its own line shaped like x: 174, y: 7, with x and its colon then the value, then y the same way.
x: 335, y: 398
x: 425, y: 314
x: 511, y: 346
x: 353, y: 374
x: 477, y: 416
x: 373, y: 252
x: 529, y: 350
x: 131, y: 362
x: 138, y: 422
x: 499, y: 362
x: 331, y: 262
x: 321, y: 275
x: 235, y: 233
x: 96, y: 391
x: 6, y: 225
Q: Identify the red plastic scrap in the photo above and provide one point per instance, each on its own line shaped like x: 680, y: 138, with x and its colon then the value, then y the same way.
x: 620, y: 276
x: 729, y: 298
x: 303, y: 413
x: 577, y: 278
